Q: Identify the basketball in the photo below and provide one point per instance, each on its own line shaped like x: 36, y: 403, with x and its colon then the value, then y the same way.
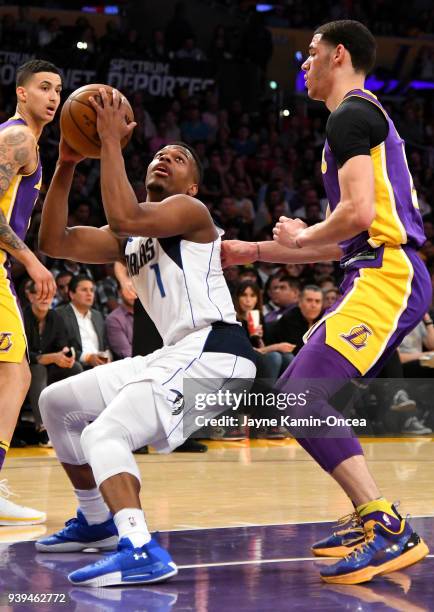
x: 78, y: 120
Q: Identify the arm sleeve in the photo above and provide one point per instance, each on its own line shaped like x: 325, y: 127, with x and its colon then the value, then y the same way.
x: 354, y: 128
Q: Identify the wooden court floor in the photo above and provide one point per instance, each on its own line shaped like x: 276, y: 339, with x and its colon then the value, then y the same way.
x: 233, y: 484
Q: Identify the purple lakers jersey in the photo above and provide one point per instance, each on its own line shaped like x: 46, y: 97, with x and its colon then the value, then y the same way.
x: 397, y: 218
x: 18, y: 201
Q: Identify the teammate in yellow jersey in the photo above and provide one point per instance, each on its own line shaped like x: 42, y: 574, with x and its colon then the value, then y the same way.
x: 38, y: 88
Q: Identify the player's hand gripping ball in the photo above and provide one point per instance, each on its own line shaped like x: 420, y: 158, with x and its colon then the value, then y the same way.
x: 78, y: 119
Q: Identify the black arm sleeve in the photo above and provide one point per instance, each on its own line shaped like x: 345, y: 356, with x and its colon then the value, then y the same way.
x: 354, y: 128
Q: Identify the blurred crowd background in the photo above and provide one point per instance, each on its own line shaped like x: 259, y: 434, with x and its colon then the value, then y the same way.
x: 261, y: 160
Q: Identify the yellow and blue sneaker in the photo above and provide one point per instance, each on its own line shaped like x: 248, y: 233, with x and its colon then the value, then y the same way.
x: 129, y: 565
x: 347, y: 534
x: 78, y: 535
x: 383, y: 551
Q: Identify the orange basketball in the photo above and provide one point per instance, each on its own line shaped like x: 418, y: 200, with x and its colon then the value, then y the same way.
x: 78, y: 120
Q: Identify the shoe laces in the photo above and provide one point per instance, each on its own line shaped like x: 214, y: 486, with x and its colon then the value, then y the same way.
x: 348, y: 523
x: 5, y: 490
x: 363, y: 546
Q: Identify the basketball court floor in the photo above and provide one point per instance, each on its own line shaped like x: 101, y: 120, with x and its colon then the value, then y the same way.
x: 238, y: 520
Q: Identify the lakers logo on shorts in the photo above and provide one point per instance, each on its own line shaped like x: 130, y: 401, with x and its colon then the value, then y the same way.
x: 5, y: 342
x: 357, y: 336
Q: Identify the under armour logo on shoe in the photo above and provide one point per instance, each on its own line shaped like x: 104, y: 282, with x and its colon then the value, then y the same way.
x: 132, y: 521
x: 137, y: 557
x: 386, y: 519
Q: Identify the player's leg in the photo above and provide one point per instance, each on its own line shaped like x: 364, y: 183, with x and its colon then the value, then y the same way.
x: 67, y: 407
x: 129, y: 422
x: 147, y: 411
x: 343, y: 458
x: 14, y: 384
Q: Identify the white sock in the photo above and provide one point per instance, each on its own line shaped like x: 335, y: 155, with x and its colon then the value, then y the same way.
x: 93, y: 506
x: 131, y: 524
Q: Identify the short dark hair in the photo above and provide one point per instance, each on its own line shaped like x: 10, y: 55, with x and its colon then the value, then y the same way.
x: 310, y: 288
x: 355, y: 37
x: 292, y: 282
x: 197, y: 162
x: 76, y: 280
x: 27, y: 70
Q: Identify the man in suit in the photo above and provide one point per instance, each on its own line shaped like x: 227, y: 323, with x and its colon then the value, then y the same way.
x: 50, y: 355
x: 85, y: 325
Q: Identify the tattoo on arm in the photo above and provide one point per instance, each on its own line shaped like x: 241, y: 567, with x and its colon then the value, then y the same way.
x: 16, y: 148
x: 8, y: 238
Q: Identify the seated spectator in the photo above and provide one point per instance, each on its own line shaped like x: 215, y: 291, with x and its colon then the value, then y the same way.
x: 330, y: 297
x: 106, y: 290
x: 194, y: 129
x: 271, y: 290
x: 190, y: 51
x: 62, y: 294
x: 292, y: 326
x: 214, y: 185
x: 244, y: 204
x: 119, y: 327
x: 73, y: 267
x: 228, y: 216
x: 84, y: 324
x: 273, y: 359
x: 50, y: 355
x: 286, y: 297
x: 416, y: 347
x: 157, y: 50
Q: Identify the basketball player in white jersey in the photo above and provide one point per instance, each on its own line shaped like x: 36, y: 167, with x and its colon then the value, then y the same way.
x: 96, y: 419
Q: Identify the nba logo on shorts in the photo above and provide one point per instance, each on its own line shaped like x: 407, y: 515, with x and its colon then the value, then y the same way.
x: 357, y: 336
x: 5, y: 342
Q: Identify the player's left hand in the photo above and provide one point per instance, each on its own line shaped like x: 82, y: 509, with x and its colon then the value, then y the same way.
x: 111, y: 115
x: 286, y: 231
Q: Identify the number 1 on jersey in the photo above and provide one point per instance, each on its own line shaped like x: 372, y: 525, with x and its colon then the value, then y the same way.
x: 156, y: 269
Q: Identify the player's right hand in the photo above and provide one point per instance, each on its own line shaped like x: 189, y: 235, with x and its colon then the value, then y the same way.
x: 237, y: 252
x: 45, y: 285
x: 67, y: 154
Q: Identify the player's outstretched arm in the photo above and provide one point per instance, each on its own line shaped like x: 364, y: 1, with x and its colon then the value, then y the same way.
x: 81, y: 243
x: 238, y: 252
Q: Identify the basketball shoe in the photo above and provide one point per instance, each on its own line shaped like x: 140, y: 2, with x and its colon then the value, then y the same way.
x: 13, y: 514
x: 347, y: 534
x: 78, y: 535
x: 129, y: 565
x: 384, y: 551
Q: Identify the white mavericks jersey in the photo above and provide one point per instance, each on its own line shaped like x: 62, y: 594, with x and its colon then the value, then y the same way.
x: 180, y: 284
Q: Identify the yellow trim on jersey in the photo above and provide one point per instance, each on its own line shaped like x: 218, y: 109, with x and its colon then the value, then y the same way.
x: 382, y: 229
x: 8, y: 200
x: 376, y: 302
x: 12, y: 333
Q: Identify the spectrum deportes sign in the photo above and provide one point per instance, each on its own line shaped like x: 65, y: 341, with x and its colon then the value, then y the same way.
x: 155, y: 78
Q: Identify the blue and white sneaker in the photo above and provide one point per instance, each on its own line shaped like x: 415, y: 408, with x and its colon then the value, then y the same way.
x: 78, y: 535
x: 383, y: 552
x: 129, y: 565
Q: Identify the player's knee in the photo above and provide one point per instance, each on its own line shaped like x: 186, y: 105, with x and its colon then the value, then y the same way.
x: 49, y: 402
x: 97, y: 435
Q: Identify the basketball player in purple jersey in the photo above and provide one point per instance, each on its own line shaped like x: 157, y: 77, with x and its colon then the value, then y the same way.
x: 374, y: 228
x: 38, y: 88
